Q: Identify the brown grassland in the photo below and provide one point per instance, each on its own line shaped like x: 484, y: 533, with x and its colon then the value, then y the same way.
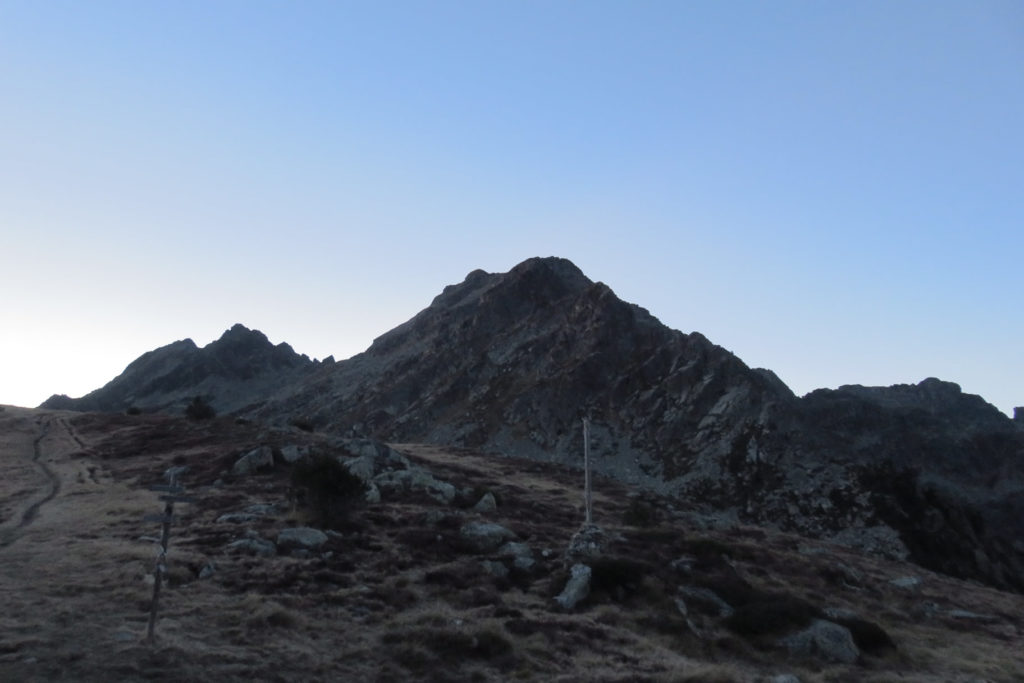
x: 394, y: 595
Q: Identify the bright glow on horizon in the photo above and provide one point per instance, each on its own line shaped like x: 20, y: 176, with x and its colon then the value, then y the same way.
x: 830, y: 191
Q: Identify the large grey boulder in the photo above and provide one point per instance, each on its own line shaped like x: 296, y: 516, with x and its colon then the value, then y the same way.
x: 301, y: 538
x: 577, y: 588
x: 485, y: 537
x: 823, y: 639
x: 401, y: 482
x: 256, y: 460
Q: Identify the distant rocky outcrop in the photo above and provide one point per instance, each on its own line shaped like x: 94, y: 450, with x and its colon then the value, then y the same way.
x: 231, y: 373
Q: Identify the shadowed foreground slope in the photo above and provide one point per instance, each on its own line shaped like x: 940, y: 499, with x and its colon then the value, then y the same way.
x: 402, y: 592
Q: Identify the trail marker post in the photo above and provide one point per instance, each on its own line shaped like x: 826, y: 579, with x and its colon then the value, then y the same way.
x: 172, y: 494
x: 587, y: 499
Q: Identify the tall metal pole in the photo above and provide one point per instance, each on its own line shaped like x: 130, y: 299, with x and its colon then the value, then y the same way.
x: 586, y: 469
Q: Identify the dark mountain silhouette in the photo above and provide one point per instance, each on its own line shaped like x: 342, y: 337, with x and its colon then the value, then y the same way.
x: 510, y: 362
x: 230, y: 372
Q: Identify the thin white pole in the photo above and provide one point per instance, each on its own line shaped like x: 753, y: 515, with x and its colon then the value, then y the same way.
x: 586, y: 468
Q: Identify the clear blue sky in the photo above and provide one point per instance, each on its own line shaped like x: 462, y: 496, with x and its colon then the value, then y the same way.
x: 831, y: 190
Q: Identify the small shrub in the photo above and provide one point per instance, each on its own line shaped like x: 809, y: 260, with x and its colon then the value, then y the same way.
x: 303, y: 423
x: 640, y: 514
x: 328, y: 488
x: 132, y: 410
x: 778, y: 614
x: 199, y: 409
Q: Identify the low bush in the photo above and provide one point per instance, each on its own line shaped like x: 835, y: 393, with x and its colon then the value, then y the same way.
x: 199, y: 409
x: 328, y: 488
x: 773, y: 615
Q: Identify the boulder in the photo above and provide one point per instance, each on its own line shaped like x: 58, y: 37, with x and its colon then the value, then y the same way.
x: 256, y: 460
x: 487, y: 503
x: 301, y: 538
x: 485, y: 537
x: 496, y: 569
x: 577, y: 588
x: 253, y: 546
x: 522, y: 556
x: 238, y: 518
x: 823, y: 639
x: 414, y: 480
x: 586, y: 544
x: 292, y: 453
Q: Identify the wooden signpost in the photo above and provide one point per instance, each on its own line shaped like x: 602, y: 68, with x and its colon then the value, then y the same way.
x: 172, y: 494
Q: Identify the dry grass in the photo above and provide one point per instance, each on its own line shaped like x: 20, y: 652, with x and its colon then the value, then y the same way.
x: 398, y: 598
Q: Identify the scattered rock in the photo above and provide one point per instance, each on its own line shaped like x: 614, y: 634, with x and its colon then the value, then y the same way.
x: 577, y: 588
x: 966, y: 615
x: 838, y: 613
x: 522, y: 556
x: 256, y: 460
x: 487, y: 503
x: 253, y: 546
x: 485, y: 537
x: 907, y: 582
x: 238, y: 518
x: 292, y: 453
x: 707, y: 600
x: 495, y: 568
x: 880, y: 540
x: 301, y: 538
x: 823, y: 639
x: 262, y: 509
x: 372, y: 494
x: 208, y: 570
x: 402, y: 482
x: 586, y: 544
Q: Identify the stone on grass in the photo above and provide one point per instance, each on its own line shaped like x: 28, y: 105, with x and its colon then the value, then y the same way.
x: 522, y: 556
x: 485, y: 537
x: 487, y: 503
x: 253, y: 546
x: 301, y: 538
x: 292, y: 453
x: 256, y: 460
x: 825, y: 640
x: 577, y: 588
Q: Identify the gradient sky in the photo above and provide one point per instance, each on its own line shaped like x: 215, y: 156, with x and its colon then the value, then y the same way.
x: 833, y: 190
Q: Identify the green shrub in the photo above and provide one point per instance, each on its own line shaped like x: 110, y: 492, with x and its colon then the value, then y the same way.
x: 328, y: 487
x: 199, y: 409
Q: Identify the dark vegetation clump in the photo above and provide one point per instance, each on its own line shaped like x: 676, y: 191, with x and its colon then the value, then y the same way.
x: 618, y: 577
x: 132, y: 410
x: 772, y: 615
x: 303, y: 423
x: 328, y: 488
x: 640, y: 514
x: 199, y: 409
x: 867, y: 635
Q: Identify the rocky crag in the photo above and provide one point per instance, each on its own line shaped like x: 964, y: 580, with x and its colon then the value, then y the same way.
x: 231, y: 373
x: 509, y: 363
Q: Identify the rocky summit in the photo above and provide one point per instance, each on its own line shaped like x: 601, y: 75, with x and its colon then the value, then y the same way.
x: 509, y: 363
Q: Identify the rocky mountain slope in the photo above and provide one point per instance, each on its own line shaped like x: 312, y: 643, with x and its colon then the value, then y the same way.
x: 509, y: 362
x: 231, y: 373
x: 454, y: 570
